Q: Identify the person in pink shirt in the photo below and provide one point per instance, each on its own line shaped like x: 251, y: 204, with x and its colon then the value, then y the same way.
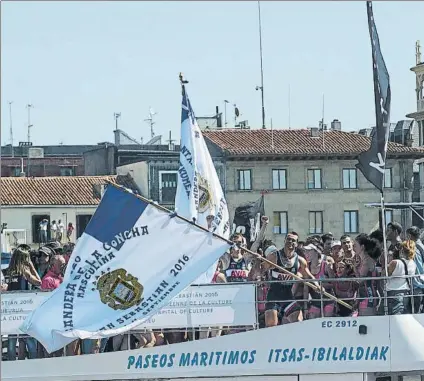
x: 50, y: 282
x: 53, y: 278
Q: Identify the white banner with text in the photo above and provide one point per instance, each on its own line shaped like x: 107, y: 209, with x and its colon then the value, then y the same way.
x: 208, y: 306
x: 204, y: 306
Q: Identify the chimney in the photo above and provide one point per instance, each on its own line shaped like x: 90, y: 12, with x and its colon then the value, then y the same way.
x: 218, y: 117
x: 99, y: 190
x: 117, y: 137
x: 102, y: 190
x: 314, y: 132
x: 336, y: 125
x: 409, y: 141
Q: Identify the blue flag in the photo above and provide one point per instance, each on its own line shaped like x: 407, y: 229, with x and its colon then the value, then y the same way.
x: 130, y: 262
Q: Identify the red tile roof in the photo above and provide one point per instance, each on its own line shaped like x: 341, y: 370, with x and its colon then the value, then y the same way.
x: 298, y: 143
x: 64, y: 190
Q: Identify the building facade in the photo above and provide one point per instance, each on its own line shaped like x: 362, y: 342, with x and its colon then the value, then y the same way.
x: 418, y: 115
x: 309, y: 181
x: 41, y: 161
x: 157, y: 177
x: 27, y: 201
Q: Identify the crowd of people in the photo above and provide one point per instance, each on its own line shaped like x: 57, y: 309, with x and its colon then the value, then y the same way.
x: 57, y: 230
x: 346, y: 277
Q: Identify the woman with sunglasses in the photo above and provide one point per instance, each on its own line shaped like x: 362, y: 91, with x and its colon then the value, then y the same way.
x: 237, y: 263
x: 321, y: 267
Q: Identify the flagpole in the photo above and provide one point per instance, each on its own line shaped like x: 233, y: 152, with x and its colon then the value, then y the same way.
x: 262, y: 67
x: 386, y: 265
x: 182, y: 82
x: 256, y: 255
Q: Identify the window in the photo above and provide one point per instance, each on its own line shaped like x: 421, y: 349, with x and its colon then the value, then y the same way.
x: 316, y: 222
x: 388, y: 178
x: 82, y: 221
x: 388, y: 216
x: 37, y: 235
x: 167, y: 186
x: 281, y: 223
x: 67, y: 171
x: 279, y: 179
x: 349, y: 179
x: 16, y: 171
x: 314, y: 178
x: 351, y: 221
x: 244, y: 179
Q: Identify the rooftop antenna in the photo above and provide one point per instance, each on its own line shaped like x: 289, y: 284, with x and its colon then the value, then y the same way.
x: 261, y: 87
x: 11, y: 128
x: 272, y: 136
x: 289, y: 110
x: 29, y: 106
x: 322, y: 120
x: 116, y: 116
x: 170, y: 141
x: 418, y: 52
x: 225, y: 112
x: 151, y: 122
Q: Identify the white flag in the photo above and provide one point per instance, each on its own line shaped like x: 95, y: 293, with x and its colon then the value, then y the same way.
x: 132, y: 259
x: 199, y: 192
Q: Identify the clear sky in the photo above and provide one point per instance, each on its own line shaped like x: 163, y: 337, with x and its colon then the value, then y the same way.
x: 79, y: 62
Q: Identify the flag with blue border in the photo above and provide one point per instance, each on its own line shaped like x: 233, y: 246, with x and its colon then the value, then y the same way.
x: 132, y: 259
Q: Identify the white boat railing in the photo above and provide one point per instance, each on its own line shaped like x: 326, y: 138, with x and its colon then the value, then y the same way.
x: 205, y: 310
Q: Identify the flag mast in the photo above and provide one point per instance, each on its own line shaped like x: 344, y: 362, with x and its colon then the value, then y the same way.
x: 372, y: 163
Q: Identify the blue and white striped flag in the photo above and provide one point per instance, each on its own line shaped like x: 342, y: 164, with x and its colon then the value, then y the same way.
x: 132, y: 259
x: 199, y: 192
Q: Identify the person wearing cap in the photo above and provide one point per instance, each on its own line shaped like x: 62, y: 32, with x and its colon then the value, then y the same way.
x: 45, y: 253
x: 55, y: 246
x: 280, y: 300
x: 321, y: 267
x: 337, y: 251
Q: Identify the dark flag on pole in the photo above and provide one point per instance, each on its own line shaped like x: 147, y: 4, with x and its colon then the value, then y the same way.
x: 247, y: 220
x: 372, y: 163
